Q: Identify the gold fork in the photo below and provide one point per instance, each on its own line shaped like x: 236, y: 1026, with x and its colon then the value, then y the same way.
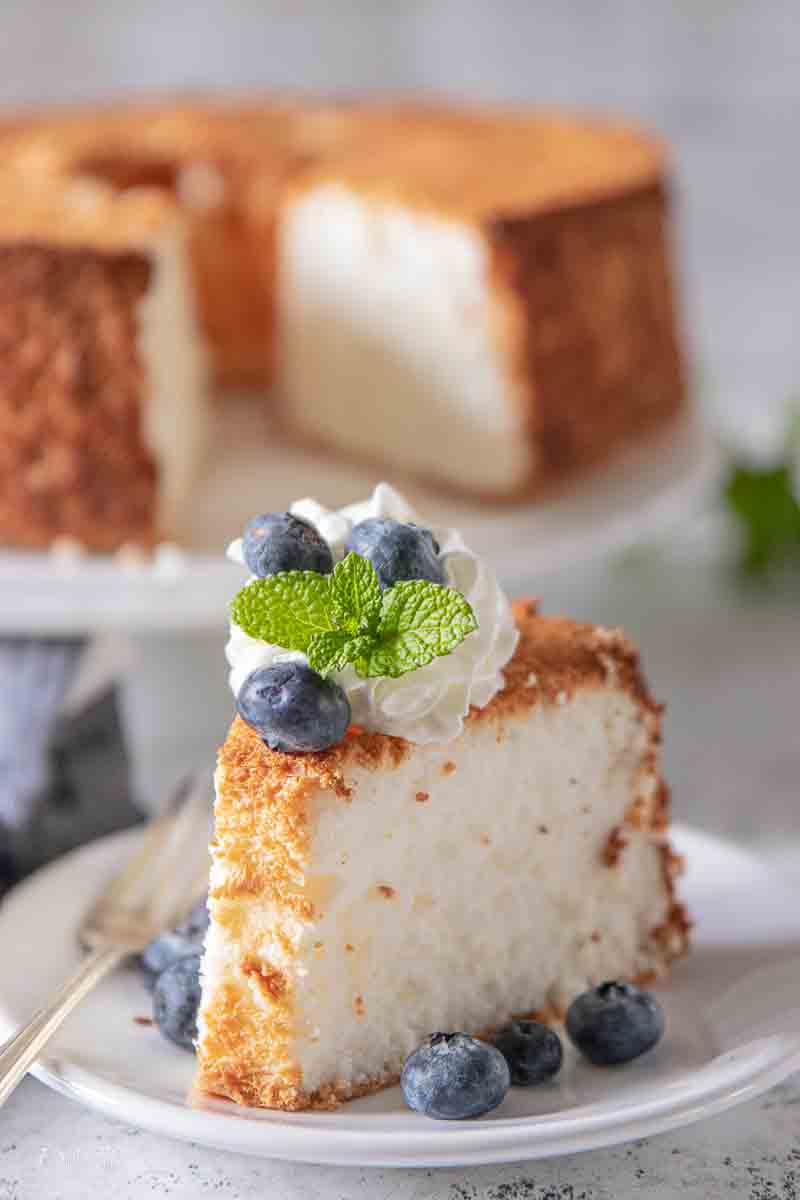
x: 154, y: 891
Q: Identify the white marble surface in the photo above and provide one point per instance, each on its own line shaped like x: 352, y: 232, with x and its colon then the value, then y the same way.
x: 727, y: 663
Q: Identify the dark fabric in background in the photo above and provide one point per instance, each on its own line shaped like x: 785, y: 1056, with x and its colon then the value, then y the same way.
x: 87, y: 794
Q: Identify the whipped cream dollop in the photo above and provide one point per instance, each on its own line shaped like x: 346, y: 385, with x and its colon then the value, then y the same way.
x: 429, y: 704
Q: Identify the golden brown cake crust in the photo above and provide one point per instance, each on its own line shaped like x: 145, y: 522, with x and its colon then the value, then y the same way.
x: 147, y: 148
x: 487, y: 164
x: 73, y: 462
x: 261, y: 839
x: 599, y: 344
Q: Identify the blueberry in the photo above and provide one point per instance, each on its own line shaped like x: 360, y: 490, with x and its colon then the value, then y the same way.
x: 452, y: 1076
x: 176, y: 999
x: 165, y: 950
x: 197, y: 922
x: 275, y: 542
x: 293, y: 708
x: 614, y: 1023
x: 397, y: 551
x: 532, y: 1050
x: 173, y: 944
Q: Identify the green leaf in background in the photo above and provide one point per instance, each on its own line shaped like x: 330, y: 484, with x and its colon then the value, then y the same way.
x: 764, y: 502
x: 286, y: 609
x: 419, y: 622
x: 355, y: 594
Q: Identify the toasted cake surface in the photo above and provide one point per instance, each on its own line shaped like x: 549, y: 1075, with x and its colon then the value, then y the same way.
x: 138, y: 379
x: 74, y: 459
x: 202, y: 156
x: 599, y: 341
x: 346, y: 920
x: 486, y: 165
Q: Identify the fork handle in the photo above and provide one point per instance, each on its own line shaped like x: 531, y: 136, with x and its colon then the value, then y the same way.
x: 20, y: 1052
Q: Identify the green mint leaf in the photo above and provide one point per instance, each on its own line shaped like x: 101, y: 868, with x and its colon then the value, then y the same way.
x: 419, y: 622
x: 327, y: 652
x: 764, y: 503
x: 286, y: 609
x: 331, y: 652
x: 355, y: 595
x: 793, y: 429
x: 345, y: 618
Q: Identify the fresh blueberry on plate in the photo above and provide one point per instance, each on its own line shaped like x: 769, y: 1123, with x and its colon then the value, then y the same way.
x: 197, y: 922
x: 165, y: 950
x: 452, y: 1076
x: 293, y: 708
x: 614, y: 1023
x: 176, y: 999
x: 274, y: 542
x: 397, y: 551
x: 532, y: 1050
x: 173, y: 944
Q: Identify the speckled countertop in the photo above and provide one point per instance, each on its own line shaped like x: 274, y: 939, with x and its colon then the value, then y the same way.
x: 51, y: 1148
x: 726, y: 663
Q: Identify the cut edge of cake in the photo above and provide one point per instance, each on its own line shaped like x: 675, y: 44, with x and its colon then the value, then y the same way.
x: 489, y: 294
x: 279, y: 893
x: 415, y: 303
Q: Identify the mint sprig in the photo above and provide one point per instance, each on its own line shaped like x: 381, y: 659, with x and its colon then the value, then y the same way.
x: 419, y: 621
x: 355, y: 595
x: 331, y: 652
x: 767, y: 509
x: 345, y: 618
x: 764, y: 499
x: 287, y: 609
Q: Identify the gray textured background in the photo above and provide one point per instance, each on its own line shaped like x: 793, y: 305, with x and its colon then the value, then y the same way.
x: 720, y: 80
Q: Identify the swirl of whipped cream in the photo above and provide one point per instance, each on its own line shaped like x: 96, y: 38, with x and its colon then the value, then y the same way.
x: 427, y: 705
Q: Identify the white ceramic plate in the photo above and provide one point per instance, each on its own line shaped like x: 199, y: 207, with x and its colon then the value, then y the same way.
x: 641, y: 493
x: 733, y: 1011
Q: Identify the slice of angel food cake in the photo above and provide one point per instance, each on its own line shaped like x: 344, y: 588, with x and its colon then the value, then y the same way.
x: 435, y: 811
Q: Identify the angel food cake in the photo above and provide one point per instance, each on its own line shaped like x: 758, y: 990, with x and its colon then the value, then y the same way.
x: 103, y: 394
x: 401, y: 278
x: 433, y: 811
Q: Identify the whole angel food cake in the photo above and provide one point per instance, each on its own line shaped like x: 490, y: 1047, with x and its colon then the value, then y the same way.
x: 401, y: 276
x: 434, y: 810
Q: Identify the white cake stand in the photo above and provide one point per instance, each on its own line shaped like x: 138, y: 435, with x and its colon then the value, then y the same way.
x: 171, y: 610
